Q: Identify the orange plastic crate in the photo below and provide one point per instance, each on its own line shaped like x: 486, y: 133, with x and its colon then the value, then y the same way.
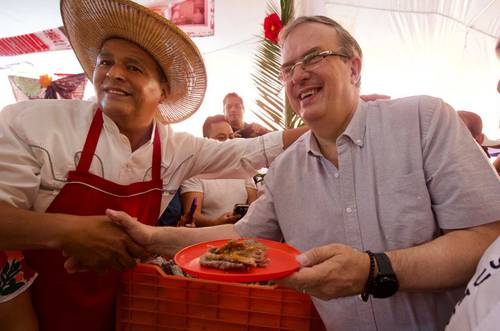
x: 150, y: 300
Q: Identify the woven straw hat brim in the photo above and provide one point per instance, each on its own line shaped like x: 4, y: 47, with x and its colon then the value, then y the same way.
x: 89, y: 23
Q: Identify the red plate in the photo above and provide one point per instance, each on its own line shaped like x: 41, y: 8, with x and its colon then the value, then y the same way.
x: 282, y: 263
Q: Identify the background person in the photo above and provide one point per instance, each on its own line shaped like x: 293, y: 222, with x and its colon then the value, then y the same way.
x: 233, y: 112
x: 479, y: 309
x: 217, y: 197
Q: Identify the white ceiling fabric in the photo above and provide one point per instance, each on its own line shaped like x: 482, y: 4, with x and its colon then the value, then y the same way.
x: 442, y: 48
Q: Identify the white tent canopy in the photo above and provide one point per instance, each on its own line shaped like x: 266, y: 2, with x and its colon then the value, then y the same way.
x: 441, y: 48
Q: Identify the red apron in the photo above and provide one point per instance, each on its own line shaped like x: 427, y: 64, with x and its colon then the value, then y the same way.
x: 85, y: 301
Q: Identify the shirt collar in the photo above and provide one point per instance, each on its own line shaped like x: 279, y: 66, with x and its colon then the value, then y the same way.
x: 355, y: 131
x: 357, y: 126
x: 110, y: 125
x: 312, y: 146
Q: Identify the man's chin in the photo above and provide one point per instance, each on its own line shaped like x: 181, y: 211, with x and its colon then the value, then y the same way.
x: 310, y: 115
x: 113, y: 105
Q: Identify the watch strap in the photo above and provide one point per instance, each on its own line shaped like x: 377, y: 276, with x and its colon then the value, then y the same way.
x: 369, y: 282
x: 383, y: 264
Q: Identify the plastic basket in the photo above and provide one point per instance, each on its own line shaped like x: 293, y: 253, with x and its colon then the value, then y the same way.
x: 150, y: 300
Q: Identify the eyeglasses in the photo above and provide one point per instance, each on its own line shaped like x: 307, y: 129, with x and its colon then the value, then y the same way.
x: 308, y: 62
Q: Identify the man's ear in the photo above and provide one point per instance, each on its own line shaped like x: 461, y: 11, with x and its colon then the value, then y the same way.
x: 356, y: 70
x: 165, y: 91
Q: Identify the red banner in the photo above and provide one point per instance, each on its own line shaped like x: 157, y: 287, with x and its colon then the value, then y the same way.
x: 47, y: 40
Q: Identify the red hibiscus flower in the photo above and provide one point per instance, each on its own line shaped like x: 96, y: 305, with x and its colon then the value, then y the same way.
x: 272, y: 27
x: 27, y: 271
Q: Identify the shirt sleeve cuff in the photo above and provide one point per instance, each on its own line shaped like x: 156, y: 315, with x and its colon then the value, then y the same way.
x: 272, y: 144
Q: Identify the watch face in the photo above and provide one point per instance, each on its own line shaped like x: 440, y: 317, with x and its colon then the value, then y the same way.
x: 384, y: 286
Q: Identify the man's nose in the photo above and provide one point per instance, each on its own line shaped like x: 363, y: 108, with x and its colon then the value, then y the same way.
x: 115, y: 72
x: 299, y: 73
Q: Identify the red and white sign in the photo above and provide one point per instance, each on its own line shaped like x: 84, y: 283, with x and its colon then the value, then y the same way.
x: 47, y: 40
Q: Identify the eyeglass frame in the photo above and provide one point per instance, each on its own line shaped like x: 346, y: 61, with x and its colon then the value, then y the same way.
x: 309, y: 57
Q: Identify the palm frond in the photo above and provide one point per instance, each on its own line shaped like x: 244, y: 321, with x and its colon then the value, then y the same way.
x: 272, y: 107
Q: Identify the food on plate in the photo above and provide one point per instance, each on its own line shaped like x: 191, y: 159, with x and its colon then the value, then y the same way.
x: 236, y: 255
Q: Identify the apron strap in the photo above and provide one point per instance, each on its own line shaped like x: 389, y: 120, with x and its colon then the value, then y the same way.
x: 90, y: 142
x: 156, y: 166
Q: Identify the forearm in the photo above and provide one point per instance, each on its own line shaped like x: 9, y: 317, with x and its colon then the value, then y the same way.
x: 23, y: 229
x: 202, y: 220
x: 18, y: 314
x: 168, y: 240
x: 448, y: 261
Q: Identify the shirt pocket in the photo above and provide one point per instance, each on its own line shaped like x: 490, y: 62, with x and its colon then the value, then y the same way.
x: 404, y: 210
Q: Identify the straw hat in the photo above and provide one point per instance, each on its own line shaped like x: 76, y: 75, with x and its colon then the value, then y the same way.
x: 89, y: 23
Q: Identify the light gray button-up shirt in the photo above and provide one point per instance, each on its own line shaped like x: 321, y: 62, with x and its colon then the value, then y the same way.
x: 408, y: 169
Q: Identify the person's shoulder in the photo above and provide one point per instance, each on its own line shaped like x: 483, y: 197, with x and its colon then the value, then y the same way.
x: 417, y: 102
x: 408, y: 110
x: 47, y: 107
x: 40, y: 114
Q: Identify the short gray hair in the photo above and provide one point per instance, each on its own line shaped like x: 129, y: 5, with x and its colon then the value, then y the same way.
x: 348, y: 45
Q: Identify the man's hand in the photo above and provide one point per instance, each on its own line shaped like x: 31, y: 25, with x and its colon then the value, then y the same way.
x: 227, y: 218
x: 183, y: 222
x: 96, y: 243
x: 330, y: 271
x: 140, y: 233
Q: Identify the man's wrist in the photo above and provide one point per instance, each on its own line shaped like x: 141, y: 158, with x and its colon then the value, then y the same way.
x: 60, y: 229
x: 382, y: 283
x: 369, y: 282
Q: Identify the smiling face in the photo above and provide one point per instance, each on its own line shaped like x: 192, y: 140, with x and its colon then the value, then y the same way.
x: 127, y: 83
x: 325, y: 96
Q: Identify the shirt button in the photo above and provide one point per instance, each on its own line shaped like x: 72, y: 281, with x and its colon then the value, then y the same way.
x: 336, y: 175
x: 348, y: 210
x: 358, y: 141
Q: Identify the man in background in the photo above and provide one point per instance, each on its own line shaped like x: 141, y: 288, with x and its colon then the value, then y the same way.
x: 233, y: 113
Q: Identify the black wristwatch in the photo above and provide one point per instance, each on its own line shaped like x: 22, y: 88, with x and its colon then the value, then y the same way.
x: 384, y: 283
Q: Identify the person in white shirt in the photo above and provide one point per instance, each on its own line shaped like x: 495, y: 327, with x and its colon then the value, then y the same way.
x: 64, y: 162
x: 479, y: 309
x: 216, y: 197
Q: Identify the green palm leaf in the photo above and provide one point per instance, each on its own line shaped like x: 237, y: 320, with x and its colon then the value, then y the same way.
x: 272, y: 107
